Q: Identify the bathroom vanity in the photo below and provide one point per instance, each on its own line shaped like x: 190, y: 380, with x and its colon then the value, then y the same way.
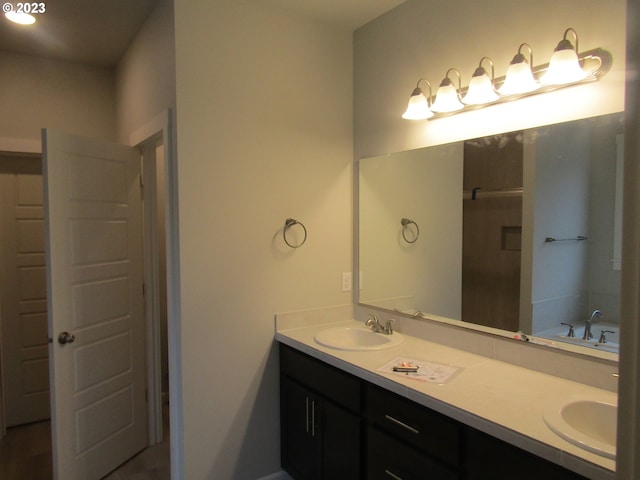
x: 342, y: 416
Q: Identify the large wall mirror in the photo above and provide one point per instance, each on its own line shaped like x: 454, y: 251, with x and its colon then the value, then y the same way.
x: 518, y: 232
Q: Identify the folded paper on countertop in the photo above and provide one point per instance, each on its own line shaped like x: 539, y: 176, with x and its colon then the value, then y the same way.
x: 425, y: 372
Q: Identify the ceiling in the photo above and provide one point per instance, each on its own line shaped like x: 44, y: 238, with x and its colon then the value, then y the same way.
x: 97, y: 32
x: 349, y: 14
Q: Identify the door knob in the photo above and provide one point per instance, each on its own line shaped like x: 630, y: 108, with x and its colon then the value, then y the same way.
x: 66, y: 337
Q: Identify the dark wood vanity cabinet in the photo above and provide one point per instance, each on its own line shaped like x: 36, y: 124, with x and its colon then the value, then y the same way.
x: 320, y: 419
x: 339, y: 427
x: 491, y: 459
x: 409, y: 441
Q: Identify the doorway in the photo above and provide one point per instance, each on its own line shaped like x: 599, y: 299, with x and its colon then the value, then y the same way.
x: 492, y: 230
x: 157, y: 348
x: 23, y: 297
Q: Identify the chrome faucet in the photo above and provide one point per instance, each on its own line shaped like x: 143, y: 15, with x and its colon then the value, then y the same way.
x: 587, y: 325
x: 373, y: 322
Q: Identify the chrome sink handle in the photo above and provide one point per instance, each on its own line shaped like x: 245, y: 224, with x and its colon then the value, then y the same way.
x: 603, y: 338
x: 571, y: 332
x: 387, y: 327
x: 374, y: 323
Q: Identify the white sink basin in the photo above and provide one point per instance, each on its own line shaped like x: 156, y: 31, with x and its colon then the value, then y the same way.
x: 587, y: 423
x: 356, y: 338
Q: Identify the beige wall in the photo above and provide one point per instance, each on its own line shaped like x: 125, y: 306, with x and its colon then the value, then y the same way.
x: 264, y: 133
x: 146, y: 76
x: 38, y: 93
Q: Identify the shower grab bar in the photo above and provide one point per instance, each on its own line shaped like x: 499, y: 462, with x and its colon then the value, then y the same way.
x: 477, y: 193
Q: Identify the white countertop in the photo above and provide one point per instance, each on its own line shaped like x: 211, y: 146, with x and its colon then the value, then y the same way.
x: 497, y: 398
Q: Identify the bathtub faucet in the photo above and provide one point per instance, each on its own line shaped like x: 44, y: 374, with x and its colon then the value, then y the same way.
x: 587, y: 325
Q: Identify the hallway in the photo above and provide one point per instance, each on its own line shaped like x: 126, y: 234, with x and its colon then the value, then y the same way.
x: 25, y: 454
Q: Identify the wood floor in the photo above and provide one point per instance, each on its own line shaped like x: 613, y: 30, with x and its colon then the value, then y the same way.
x: 25, y: 454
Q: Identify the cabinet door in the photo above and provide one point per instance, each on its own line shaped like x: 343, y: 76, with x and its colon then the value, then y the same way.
x: 493, y: 459
x: 320, y: 419
x: 300, y: 430
x: 340, y: 443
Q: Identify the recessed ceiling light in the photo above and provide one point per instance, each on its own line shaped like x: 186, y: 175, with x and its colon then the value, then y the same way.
x: 21, y: 18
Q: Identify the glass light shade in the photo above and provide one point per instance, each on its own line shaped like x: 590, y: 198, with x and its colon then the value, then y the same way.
x: 519, y: 79
x: 563, y: 68
x: 447, y: 99
x: 21, y: 18
x: 418, y: 107
x: 480, y: 91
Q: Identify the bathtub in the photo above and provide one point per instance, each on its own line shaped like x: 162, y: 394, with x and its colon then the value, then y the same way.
x: 612, y: 343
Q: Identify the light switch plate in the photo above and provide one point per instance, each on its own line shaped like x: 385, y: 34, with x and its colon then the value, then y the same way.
x: 347, y: 282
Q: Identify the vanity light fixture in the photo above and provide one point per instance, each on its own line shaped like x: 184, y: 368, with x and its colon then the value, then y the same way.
x: 447, y: 98
x: 481, y: 89
x: 418, y: 107
x: 519, y: 78
x: 567, y: 67
x: 564, y: 66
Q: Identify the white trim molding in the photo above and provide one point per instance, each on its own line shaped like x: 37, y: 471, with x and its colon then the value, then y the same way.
x: 159, y: 131
x: 628, y: 461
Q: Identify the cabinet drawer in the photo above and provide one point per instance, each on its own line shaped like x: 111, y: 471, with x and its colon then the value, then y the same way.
x: 334, y: 384
x: 390, y: 459
x: 425, y: 429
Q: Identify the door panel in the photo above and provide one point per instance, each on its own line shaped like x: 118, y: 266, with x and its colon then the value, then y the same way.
x: 23, y: 291
x: 94, y: 259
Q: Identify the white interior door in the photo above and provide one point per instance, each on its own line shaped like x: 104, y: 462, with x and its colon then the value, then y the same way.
x: 93, y: 231
x: 23, y: 302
